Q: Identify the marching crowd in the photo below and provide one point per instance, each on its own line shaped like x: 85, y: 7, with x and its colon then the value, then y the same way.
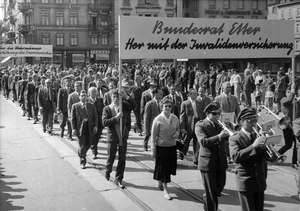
x: 172, y: 106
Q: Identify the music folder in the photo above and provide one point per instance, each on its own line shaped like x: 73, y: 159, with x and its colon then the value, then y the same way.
x: 227, y: 117
x: 271, y: 140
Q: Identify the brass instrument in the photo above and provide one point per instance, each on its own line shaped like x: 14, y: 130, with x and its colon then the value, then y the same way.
x: 225, y: 128
x: 282, y: 121
x: 272, y: 154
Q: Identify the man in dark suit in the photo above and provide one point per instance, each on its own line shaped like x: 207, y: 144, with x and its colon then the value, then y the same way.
x: 98, y: 103
x: 203, y: 102
x: 175, y: 99
x: 116, y: 138
x: 280, y: 90
x: 147, y: 96
x: 84, y: 120
x: 72, y: 99
x: 62, y: 104
x: 248, y: 152
x: 22, y: 84
x: 152, y: 109
x: 46, y: 103
x: 5, y: 84
x: 212, y: 156
x: 137, y: 91
x: 248, y: 87
x: 188, y: 119
x: 212, y: 80
x: 30, y: 98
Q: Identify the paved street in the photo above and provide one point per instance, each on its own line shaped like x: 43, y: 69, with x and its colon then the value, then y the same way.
x: 41, y: 172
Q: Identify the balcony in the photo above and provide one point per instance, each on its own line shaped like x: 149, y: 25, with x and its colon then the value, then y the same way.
x: 25, y: 29
x: 93, y: 27
x: 25, y: 8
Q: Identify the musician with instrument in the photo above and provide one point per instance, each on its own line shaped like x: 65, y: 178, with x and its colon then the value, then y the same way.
x: 249, y: 153
x: 212, y: 161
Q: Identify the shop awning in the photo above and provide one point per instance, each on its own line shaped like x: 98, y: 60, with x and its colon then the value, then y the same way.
x: 5, y: 59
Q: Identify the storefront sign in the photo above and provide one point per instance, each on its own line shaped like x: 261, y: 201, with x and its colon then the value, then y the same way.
x: 100, y: 54
x: 178, y: 38
x: 26, y: 50
x: 233, y: 12
x: 78, y: 58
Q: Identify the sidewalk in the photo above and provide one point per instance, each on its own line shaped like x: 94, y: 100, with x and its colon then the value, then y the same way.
x: 186, y: 187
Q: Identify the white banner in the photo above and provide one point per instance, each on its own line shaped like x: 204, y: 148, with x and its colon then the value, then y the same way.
x: 26, y: 50
x: 191, y: 38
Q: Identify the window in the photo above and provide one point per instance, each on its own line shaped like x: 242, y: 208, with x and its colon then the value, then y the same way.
x: 74, y: 39
x: 170, y: 2
x: 73, y: 19
x: 59, y: 1
x: 126, y: 14
x: 45, y: 19
x: 104, y: 39
x: 226, y: 4
x: 126, y: 2
x: 298, y: 11
x: 94, y: 39
x: 254, y: 4
x: 59, y: 39
x: 297, y: 44
x: 297, y: 28
x: 212, y: 4
x: 59, y: 19
x: 290, y: 13
x: 282, y: 14
x: 45, y: 39
x: 240, y: 4
x: 103, y: 23
x: 45, y: 1
x: 73, y: 1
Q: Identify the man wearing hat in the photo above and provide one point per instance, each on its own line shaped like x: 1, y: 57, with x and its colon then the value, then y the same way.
x: 248, y: 152
x: 147, y: 96
x: 212, y: 161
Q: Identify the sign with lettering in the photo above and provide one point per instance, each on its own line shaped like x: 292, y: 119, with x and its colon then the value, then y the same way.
x: 178, y: 38
x: 26, y: 50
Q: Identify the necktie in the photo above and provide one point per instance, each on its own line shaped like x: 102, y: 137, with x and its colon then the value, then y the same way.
x: 216, y: 125
x: 49, y: 94
x: 85, y: 110
x: 173, y: 97
x: 228, y: 101
x: 157, y: 103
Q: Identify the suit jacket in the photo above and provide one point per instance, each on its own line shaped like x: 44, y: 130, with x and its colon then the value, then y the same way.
x: 78, y: 114
x: 62, y: 99
x: 251, y: 166
x: 146, y: 97
x: 249, y: 85
x: 46, y: 101
x: 107, y: 98
x: 212, y: 154
x: 72, y: 99
x: 280, y: 88
x: 31, y: 92
x: 137, y: 93
x: 187, y: 118
x: 176, y: 105
x: 110, y: 121
x: 228, y: 104
x: 98, y: 103
x: 151, y: 111
x: 203, y: 102
x: 103, y: 90
x: 22, y: 87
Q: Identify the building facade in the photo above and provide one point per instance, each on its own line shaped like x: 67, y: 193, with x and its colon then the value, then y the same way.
x: 288, y: 10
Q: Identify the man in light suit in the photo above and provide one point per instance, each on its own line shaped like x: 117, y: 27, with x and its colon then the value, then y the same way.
x: 248, y: 152
x: 188, y: 119
x: 46, y: 102
x: 84, y: 120
x: 152, y: 109
x: 212, y: 157
x: 203, y: 102
x: 147, y: 96
x: 229, y: 104
x: 116, y: 138
x: 62, y: 104
x: 98, y: 103
x: 74, y: 98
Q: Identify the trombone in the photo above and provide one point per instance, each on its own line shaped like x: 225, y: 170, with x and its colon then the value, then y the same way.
x: 282, y: 121
x: 272, y: 154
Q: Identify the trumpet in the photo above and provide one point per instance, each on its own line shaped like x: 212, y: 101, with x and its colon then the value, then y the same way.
x: 272, y: 154
x: 225, y: 128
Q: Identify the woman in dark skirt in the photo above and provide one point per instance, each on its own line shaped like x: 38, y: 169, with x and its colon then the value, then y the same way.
x: 165, y: 131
